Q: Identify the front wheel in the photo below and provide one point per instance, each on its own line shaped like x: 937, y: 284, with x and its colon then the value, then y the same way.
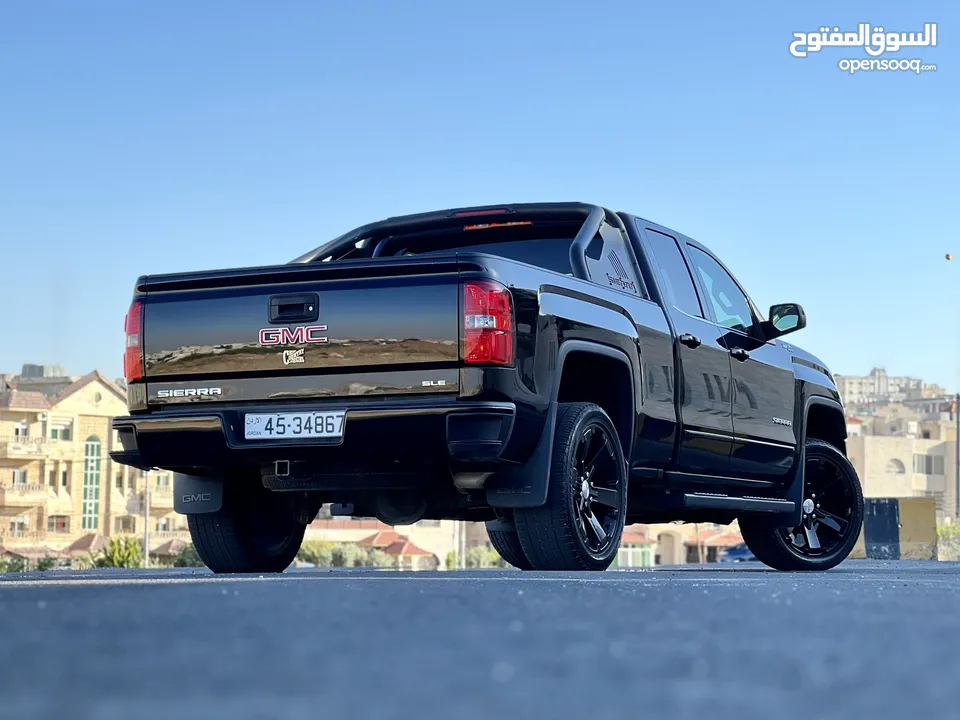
x: 581, y: 524
x: 832, y: 516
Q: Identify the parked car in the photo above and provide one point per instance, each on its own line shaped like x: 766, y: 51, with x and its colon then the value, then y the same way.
x: 554, y: 370
x: 738, y: 553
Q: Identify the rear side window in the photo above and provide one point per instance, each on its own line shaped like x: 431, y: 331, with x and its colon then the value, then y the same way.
x: 550, y: 254
x: 677, y: 280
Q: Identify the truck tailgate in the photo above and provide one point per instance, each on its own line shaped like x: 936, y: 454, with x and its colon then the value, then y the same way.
x: 292, y: 319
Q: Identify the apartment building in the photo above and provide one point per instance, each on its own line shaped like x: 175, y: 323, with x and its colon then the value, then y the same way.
x: 878, y: 386
x: 907, y: 449
x: 58, y: 485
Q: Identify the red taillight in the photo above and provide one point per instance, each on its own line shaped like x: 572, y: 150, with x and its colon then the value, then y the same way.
x: 133, y: 356
x: 478, y: 213
x: 487, y: 323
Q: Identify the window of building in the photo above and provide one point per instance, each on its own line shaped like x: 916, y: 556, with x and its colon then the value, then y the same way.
x: 730, y: 305
x: 119, y: 481
x: 125, y: 524
x: 58, y: 524
x: 928, y: 464
x: 91, y: 484
x: 64, y: 479
x: 19, y: 526
x: 21, y: 430
x: 60, y: 431
x: 163, y: 481
x: 20, y: 477
x: 52, y: 479
x: 895, y: 467
x: 675, y: 275
x: 164, y: 525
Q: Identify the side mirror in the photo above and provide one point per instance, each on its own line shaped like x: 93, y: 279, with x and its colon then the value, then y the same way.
x: 784, y: 318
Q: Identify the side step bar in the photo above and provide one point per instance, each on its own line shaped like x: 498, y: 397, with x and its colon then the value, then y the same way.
x: 709, y: 501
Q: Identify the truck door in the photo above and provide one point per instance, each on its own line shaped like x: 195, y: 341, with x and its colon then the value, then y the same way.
x: 703, y: 363
x: 763, y: 379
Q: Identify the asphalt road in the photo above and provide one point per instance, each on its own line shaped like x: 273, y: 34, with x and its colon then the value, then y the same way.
x: 864, y: 640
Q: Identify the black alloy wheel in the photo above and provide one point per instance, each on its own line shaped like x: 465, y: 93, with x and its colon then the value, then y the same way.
x: 581, y: 524
x: 832, y: 516
x: 597, y: 503
x: 828, y: 510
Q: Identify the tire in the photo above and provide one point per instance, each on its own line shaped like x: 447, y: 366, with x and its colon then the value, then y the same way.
x: 503, y: 536
x: 559, y: 535
x: 254, y: 532
x: 830, y: 478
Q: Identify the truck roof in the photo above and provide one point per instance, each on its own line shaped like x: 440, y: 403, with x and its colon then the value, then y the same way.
x: 453, y: 217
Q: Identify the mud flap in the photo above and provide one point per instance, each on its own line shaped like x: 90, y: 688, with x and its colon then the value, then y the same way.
x: 526, y: 486
x: 196, y: 495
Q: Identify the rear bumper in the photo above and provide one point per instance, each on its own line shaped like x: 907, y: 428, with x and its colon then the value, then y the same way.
x: 390, y: 436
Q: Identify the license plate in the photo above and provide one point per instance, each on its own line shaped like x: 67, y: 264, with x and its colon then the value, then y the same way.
x: 270, y: 426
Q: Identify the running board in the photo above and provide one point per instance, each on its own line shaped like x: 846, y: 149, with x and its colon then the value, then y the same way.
x: 708, y: 501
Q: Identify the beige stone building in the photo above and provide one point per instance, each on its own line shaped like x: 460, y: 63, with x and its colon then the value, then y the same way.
x: 57, y: 482
x: 879, y: 386
x: 906, y: 466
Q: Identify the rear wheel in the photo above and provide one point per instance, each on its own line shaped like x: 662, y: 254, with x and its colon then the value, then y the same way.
x: 254, y: 532
x: 580, y: 526
x: 503, y: 536
x: 832, y: 516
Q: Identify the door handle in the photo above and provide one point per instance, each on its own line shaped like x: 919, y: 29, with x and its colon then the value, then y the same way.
x: 689, y: 340
x: 302, y: 307
x: 740, y: 354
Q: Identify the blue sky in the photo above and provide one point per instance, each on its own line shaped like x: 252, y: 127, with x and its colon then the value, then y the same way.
x: 140, y: 138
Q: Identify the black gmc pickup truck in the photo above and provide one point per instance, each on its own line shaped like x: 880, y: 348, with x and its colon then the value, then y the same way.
x: 554, y: 370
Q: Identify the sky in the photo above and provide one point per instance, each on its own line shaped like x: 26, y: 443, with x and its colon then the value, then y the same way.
x: 140, y: 138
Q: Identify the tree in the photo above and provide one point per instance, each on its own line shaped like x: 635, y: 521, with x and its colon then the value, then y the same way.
x: 46, y: 563
x: 378, y: 558
x: 13, y: 564
x: 322, y: 553
x: 187, y: 557
x: 317, y: 552
x: 483, y: 557
x: 948, y: 540
x: 122, y: 552
x: 349, y: 555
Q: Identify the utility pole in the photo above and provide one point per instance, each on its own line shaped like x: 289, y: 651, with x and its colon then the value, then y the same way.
x: 956, y: 459
x: 146, y: 521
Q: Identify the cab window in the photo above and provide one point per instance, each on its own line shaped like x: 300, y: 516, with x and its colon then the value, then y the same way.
x: 730, y: 305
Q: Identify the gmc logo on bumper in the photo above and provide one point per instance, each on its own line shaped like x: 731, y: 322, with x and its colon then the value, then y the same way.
x: 293, y: 336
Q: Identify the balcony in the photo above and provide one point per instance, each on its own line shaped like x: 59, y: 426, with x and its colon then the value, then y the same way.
x: 928, y: 483
x: 161, y: 498
x: 21, y: 537
x: 17, y: 494
x: 15, y: 447
x: 164, y: 535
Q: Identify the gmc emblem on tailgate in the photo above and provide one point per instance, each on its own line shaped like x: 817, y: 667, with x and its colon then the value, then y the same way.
x: 293, y: 336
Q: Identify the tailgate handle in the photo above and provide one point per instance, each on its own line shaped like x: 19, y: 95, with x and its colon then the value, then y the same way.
x: 302, y: 307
